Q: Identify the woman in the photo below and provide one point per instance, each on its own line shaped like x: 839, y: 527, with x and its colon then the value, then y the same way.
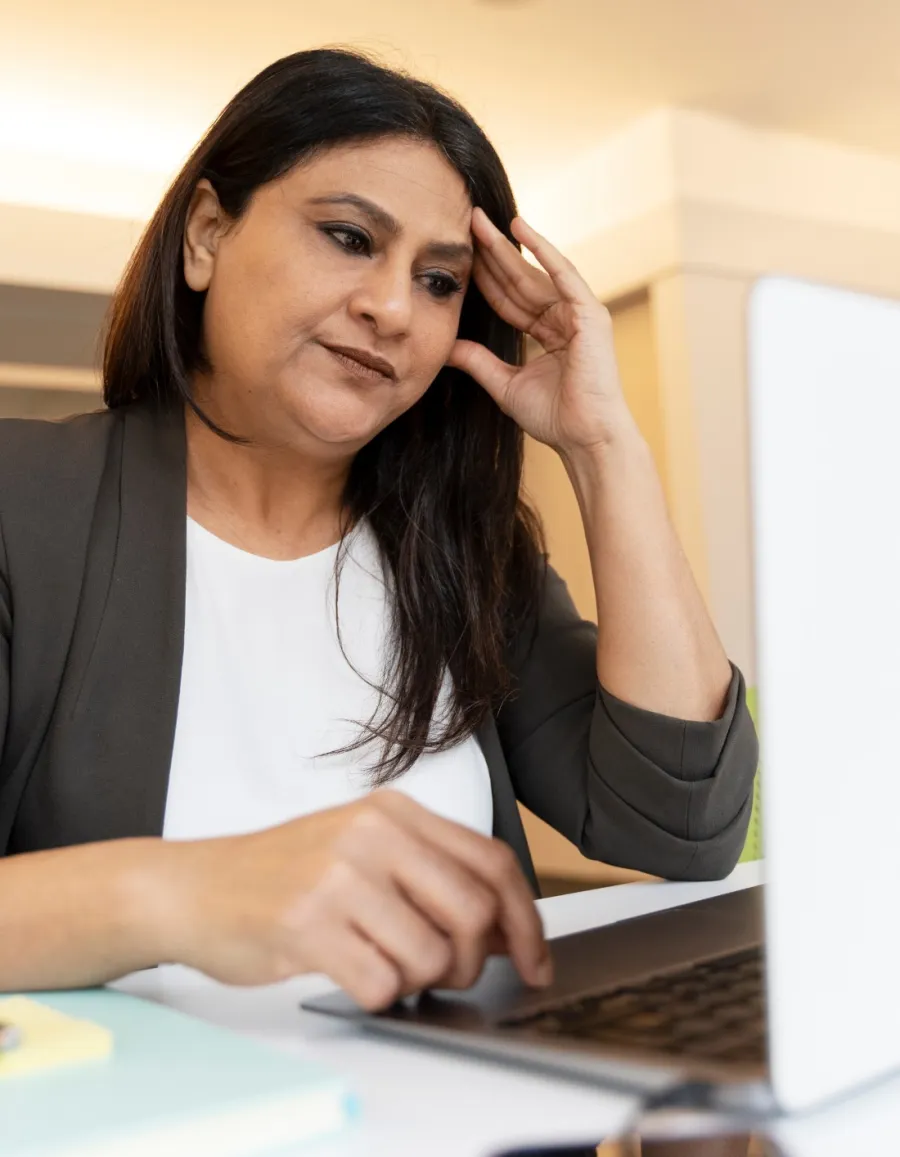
x: 289, y: 564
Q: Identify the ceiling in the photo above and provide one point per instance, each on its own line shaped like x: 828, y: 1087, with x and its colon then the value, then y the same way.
x: 131, y: 84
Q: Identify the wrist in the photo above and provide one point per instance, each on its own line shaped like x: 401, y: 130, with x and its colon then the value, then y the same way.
x: 152, y: 898
x: 621, y: 449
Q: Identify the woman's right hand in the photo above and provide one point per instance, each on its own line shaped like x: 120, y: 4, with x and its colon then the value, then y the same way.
x: 381, y: 895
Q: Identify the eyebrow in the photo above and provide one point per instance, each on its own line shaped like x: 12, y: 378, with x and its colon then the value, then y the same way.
x: 438, y: 250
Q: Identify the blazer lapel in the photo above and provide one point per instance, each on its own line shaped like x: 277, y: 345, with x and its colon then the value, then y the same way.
x: 108, y: 771
x: 143, y: 629
x: 507, y: 819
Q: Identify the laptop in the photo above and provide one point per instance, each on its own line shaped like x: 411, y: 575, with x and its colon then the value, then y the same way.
x: 782, y: 996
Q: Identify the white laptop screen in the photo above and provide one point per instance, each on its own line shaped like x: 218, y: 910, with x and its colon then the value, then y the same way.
x: 824, y: 396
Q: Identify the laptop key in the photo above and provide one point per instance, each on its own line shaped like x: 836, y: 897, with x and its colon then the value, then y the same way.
x: 641, y: 1021
x: 696, y: 1026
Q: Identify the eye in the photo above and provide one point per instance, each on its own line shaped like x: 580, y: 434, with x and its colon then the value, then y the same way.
x: 441, y: 285
x: 350, y: 238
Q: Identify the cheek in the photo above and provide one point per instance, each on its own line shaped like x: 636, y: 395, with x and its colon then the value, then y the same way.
x: 433, y: 342
x: 429, y: 348
x: 263, y: 304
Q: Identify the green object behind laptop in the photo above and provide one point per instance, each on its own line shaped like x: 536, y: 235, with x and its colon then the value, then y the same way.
x: 753, y: 846
x: 173, y: 1085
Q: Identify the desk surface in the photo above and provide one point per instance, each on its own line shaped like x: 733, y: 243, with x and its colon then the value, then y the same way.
x: 416, y: 1101
x: 419, y: 1102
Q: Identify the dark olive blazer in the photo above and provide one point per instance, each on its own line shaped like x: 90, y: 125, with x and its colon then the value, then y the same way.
x: 92, y: 595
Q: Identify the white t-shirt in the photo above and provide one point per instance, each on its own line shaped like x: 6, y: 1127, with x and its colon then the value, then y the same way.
x: 265, y: 689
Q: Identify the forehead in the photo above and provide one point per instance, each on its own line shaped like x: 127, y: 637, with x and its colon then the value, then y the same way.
x: 411, y: 180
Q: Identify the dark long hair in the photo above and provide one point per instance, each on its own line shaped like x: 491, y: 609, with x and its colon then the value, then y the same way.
x: 440, y: 486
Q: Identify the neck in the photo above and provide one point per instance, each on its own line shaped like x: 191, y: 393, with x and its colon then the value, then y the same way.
x: 271, y: 501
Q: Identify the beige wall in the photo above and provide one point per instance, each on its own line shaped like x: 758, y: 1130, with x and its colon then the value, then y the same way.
x: 636, y: 351
x: 708, y: 440
x: 52, y: 249
x: 32, y: 403
x: 700, y: 328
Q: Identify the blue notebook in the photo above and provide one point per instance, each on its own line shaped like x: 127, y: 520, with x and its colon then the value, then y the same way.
x: 173, y: 1087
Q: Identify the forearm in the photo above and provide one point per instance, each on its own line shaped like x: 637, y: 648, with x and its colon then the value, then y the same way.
x: 80, y: 916
x: 657, y: 647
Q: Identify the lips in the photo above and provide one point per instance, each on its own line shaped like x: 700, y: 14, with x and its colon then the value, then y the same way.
x: 362, y: 363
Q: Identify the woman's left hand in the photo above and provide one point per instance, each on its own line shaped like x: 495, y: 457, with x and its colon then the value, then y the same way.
x: 569, y: 397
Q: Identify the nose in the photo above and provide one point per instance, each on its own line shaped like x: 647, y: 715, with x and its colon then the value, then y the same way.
x: 383, y: 298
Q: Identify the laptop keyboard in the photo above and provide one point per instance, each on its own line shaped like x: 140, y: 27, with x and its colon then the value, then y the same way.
x: 714, y: 1010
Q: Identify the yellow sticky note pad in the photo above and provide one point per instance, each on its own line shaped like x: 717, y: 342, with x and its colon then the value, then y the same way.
x: 49, y: 1038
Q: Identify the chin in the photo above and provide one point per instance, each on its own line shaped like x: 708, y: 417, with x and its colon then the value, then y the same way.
x: 346, y: 422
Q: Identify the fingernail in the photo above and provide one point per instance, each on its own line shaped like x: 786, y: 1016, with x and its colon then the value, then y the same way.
x: 544, y: 972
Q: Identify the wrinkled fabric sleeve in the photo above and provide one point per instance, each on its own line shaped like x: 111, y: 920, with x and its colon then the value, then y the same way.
x: 5, y: 644
x: 633, y: 788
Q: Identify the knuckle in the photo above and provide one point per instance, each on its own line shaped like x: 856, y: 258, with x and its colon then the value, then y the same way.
x: 340, y: 878
x: 479, y: 914
x: 369, y: 826
x: 501, y: 861
x: 325, y: 902
x: 432, y: 963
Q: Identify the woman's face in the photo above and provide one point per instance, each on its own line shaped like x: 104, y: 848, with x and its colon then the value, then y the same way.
x: 365, y: 250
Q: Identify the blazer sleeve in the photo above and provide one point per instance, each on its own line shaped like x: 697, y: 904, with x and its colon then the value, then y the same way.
x: 630, y: 787
x: 5, y: 643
